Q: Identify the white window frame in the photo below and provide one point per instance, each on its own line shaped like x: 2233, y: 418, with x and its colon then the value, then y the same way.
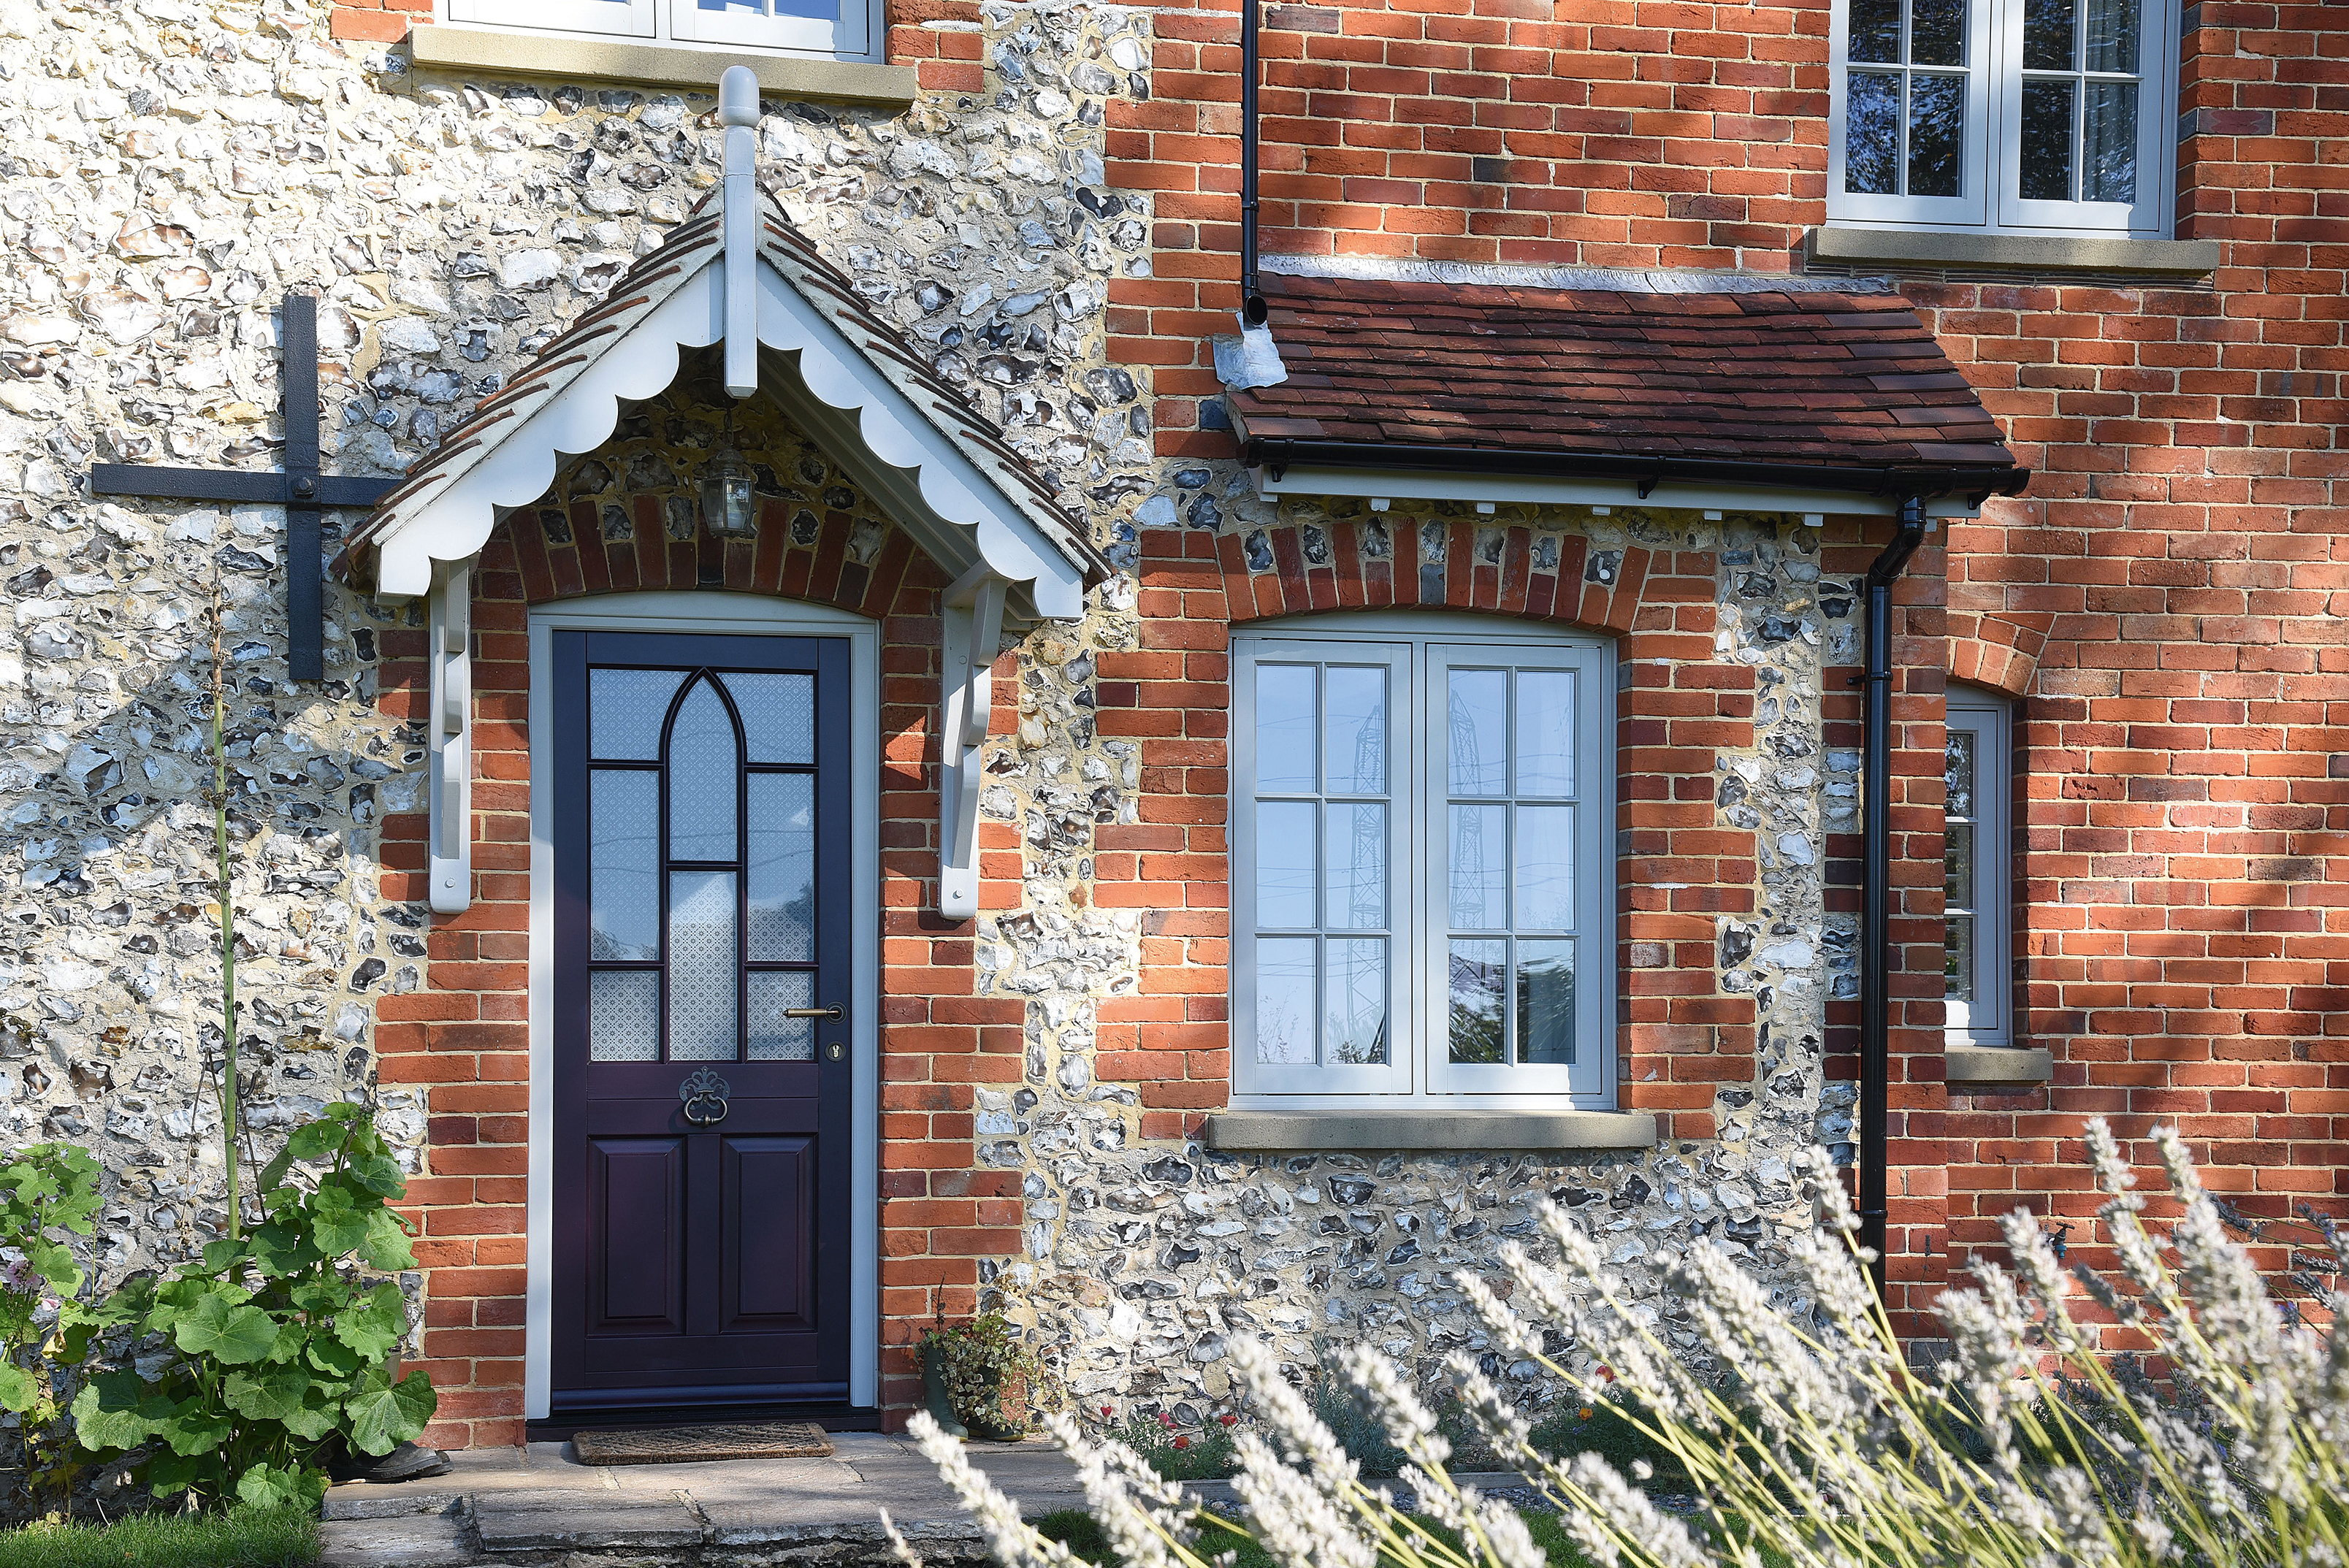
x: 1991, y: 200
x: 1987, y: 1020
x: 1418, y: 650
x: 680, y: 23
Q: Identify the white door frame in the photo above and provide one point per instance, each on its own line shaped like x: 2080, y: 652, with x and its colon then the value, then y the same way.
x: 711, y: 610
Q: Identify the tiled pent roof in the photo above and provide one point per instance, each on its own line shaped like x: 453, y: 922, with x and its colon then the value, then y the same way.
x: 1805, y: 380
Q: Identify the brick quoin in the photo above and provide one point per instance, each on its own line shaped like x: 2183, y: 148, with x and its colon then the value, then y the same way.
x: 1678, y: 1038
x: 465, y: 1036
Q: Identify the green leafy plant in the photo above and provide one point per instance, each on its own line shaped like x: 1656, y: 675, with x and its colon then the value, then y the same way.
x: 281, y: 1345
x: 47, y: 1193
x: 1178, y: 1453
x: 999, y: 1386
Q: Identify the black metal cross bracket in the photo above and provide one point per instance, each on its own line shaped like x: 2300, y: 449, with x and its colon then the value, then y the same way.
x: 299, y: 488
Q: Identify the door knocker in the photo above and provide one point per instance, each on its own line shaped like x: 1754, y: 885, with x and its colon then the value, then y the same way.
x: 705, y: 1093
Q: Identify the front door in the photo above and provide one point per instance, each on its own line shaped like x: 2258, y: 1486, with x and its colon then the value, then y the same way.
x: 702, y: 955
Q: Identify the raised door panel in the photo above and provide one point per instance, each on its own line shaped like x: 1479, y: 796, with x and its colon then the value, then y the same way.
x: 635, y: 1195
x: 769, y: 1201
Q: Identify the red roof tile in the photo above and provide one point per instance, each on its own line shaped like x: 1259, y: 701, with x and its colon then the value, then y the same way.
x: 1810, y: 378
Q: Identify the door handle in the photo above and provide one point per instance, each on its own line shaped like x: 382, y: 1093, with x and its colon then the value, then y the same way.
x: 833, y: 1012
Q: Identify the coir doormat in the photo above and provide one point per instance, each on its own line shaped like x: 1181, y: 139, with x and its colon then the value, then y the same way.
x: 700, y: 1445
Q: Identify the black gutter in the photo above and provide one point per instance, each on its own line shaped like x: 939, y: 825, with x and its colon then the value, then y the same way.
x: 1253, y: 310
x: 1875, y: 874
x: 1280, y: 456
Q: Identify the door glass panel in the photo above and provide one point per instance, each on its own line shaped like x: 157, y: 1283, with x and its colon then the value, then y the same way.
x: 623, y: 1016
x: 1284, y: 864
x: 1356, y: 855
x: 1284, y: 1000
x: 777, y: 715
x: 1357, y: 730
x: 1546, y: 732
x: 1477, y: 844
x: 1959, y: 762
x: 1545, y: 860
x: 782, y: 868
x: 773, y: 1038
x: 1479, y: 971
x: 1479, y: 732
x: 625, y: 710
x: 624, y: 899
x: 1958, y: 958
x: 1545, y: 1003
x: 702, y: 778
x: 1354, y: 1021
x: 1285, y: 729
x: 702, y: 957
x: 1958, y: 868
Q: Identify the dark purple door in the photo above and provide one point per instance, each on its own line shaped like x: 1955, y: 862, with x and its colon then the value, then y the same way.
x: 701, y: 991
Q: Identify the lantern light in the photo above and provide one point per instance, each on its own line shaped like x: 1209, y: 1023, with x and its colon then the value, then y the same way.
x: 729, y: 501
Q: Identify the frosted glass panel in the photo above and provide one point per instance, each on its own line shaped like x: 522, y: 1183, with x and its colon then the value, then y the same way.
x: 1356, y: 856
x: 625, y: 710
x: 1546, y: 732
x: 702, y: 1024
x: 782, y: 867
x: 1285, y: 729
x: 1477, y: 739
x: 623, y: 1016
x: 1545, y: 1003
x: 701, y: 779
x: 624, y: 838
x: 1478, y: 982
x: 1545, y: 868
x: 1284, y: 864
x: 1354, y: 999
x: 1477, y: 869
x: 1284, y: 1000
x: 778, y: 716
x: 1356, y: 729
x: 773, y: 1038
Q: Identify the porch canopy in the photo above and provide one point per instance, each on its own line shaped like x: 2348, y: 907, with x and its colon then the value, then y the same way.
x: 739, y: 273
x: 1675, y: 391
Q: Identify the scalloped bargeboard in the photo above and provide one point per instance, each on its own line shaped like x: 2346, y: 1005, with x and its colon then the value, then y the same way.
x: 700, y: 1445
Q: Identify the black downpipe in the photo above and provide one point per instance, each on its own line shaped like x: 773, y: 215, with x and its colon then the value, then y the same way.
x: 1875, y: 893
x: 1253, y: 310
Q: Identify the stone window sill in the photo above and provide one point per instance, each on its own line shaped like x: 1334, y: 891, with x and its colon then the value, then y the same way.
x: 1431, y: 1132
x: 543, y: 56
x: 1969, y: 1066
x: 2031, y: 252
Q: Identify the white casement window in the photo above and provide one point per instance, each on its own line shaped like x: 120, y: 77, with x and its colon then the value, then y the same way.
x: 836, y: 27
x: 1422, y: 873
x: 1978, y: 868
x: 2005, y: 116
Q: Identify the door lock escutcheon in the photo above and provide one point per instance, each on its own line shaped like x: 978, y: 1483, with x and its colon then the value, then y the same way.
x: 834, y: 1012
x: 835, y: 1050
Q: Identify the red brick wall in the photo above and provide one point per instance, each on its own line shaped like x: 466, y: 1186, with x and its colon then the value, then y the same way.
x: 1676, y: 1036
x: 465, y: 1035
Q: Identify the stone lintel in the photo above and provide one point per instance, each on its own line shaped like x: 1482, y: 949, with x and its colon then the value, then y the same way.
x: 2018, y: 1067
x: 549, y: 58
x: 1430, y: 1132
x: 2052, y: 253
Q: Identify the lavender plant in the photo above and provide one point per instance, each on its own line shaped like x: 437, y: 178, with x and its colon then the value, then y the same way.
x: 1810, y: 1440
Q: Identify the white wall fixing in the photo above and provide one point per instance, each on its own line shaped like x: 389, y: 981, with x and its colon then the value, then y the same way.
x: 1711, y: 516
x: 1379, y: 503
x: 1486, y: 508
x: 973, y: 627
x: 449, y: 727
x: 737, y: 112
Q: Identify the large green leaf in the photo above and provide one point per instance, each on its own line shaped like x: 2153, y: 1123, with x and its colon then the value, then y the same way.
x: 338, y: 1224
x: 268, y: 1486
x: 334, y: 1360
x: 19, y: 1388
x: 375, y: 1324
x: 387, y: 1246
x: 383, y: 1419
x: 195, y: 1427
x: 314, y: 1141
x: 116, y: 1410
x: 283, y: 1249
x: 232, y: 1335
x: 319, y: 1413
x: 267, y: 1396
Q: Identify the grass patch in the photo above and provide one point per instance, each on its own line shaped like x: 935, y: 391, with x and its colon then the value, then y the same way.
x: 1076, y: 1530
x: 244, y: 1537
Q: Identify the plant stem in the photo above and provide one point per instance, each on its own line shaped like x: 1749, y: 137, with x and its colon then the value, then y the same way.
x: 228, y: 1086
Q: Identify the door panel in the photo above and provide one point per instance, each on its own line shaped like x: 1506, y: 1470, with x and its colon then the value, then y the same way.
x: 702, y: 1134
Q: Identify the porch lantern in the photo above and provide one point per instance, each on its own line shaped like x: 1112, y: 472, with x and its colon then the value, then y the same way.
x: 729, y: 503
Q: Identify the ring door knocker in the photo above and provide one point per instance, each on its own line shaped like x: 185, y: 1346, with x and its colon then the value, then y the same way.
x: 704, y: 1095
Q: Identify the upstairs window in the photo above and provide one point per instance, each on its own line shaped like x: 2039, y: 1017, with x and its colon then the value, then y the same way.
x: 1978, y: 865
x: 835, y: 27
x: 2009, y: 116
x: 1423, y: 879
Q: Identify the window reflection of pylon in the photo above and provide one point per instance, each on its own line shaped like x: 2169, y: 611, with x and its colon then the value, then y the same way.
x: 1367, y: 900
x: 1468, y: 829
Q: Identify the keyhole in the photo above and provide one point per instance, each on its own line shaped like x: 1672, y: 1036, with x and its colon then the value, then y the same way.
x: 835, y: 1050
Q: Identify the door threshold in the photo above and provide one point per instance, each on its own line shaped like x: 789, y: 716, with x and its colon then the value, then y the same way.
x: 831, y: 1418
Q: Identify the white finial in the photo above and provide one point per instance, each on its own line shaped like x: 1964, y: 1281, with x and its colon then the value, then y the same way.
x: 737, y: 112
